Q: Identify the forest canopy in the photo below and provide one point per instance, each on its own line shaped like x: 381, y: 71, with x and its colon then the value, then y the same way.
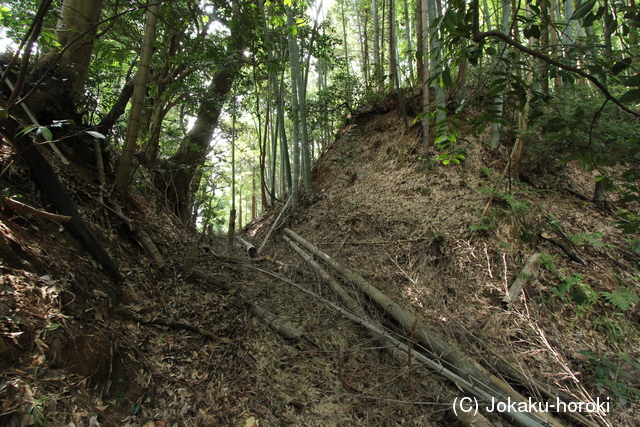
x: 225, y: 105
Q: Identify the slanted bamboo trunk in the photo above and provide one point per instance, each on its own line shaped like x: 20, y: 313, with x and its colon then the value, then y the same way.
x: 400, y: 357
x: 450, y: 361
x: 527, y: 273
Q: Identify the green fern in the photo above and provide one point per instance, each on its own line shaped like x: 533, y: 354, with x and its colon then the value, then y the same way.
x: 547, y: 262
x: 487, y: 171
x: 623, y: 300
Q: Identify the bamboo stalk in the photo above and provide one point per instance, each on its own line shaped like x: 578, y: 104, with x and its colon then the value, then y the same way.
x: 372, y: 242
x: 434, y: 344
x: 142, y: 237
x: 349, y: 302
x: 251, y: 250
x: 448, y: 357
x: 283, y: 328
x: 484, y: 397
x: 275, y: 224
x: 527, y: 273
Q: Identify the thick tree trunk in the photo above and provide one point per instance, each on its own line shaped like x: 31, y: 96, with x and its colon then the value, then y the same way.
x: 195, y: 146
x: 599, y: 194
x: 77, y: 17
x: 51, y: 186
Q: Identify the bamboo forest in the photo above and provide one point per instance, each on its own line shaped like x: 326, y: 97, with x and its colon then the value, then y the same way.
x: 319, y: 213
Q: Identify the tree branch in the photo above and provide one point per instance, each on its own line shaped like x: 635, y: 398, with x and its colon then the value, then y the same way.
x: 479, y: 35
x: 80, y: 36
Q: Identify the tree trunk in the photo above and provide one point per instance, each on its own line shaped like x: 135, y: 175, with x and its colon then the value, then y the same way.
x: 305, y: 143
x: 543, y: 74
x: 273, y: 82
x: 376, y: 46
x: 51, y: 186
x: 435, y: 55
x: 264, y: 161
x: 117, y: 109
x: 194, y: 147
x: 426, y: 138
x: 499, y: 99
x: 363, y: 46
x: 419, y: 47
x: 295, y: 109
x: 407, y: 30
x: 599, y: 194
x: 553, y: 34
x: 393, y: 72
x: 133, y: 124
x: 609, y: 28
x: 232, y: 214
x: 77, y: 17
x: 346, y: 57
x: 286, y: 171
x: 254, y: 201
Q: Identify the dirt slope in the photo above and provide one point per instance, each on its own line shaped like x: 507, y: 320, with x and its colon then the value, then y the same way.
x: 407, y: 226
x: 74, y: 355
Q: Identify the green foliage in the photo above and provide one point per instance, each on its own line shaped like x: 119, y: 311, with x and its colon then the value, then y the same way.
x: 578, y: 126
x: 17, y: 16
x: 629, y: 222
x: 614, y: 328
x: 484, y: 223
x: 615, y: 376
x: 40, y: 130
x: 623, y: 300
x: 593, y: 238
x: 487, y: 171
x: 507, y: 208
x: 572, y: 287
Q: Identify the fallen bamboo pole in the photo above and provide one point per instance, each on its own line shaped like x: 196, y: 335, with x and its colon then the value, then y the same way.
x: 436, y: 345
x: 275, y: 224
x: 524, y: 419
x: 450, y: 358
x: 142, y: 237
x: 284, y: 328
x: 527, y: 273
x: 252, y: 252
x: 21, y: 208
x: 350, y: 303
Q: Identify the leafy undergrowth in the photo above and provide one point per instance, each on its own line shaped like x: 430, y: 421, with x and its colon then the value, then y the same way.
x: 78, y: 350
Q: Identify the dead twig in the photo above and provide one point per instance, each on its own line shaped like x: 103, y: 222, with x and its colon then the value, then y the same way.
x: 170, y: 323
x: 21, y: 208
